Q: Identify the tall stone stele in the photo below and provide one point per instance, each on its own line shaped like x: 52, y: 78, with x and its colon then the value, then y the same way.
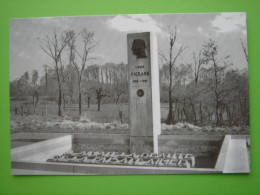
x: 144, y: 94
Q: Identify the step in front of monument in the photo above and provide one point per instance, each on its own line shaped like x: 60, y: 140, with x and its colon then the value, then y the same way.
x: 34, y: 158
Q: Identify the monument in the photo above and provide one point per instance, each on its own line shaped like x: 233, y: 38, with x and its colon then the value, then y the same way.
x: 144, y: 115
x: 144, y: 95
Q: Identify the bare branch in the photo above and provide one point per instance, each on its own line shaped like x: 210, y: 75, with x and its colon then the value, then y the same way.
x: 244, y: 50
x: 181, y: 76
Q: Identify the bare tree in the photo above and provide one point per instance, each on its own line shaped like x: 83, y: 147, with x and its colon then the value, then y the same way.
x: 53, y: 46
x: 170, y: 62
x: 36, y: 94
x: 198, y: 62
x: 215, y: 79
x: 89, y: 45
x: 210, y: 51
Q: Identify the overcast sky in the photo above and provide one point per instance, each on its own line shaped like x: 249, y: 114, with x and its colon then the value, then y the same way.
x: 193, y: 30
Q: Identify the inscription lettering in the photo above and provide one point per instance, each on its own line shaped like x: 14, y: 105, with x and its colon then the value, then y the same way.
x: 139, y: 66
x: 140, y: 73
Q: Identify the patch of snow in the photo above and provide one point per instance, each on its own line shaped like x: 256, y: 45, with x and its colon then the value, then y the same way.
x: 180, y: 126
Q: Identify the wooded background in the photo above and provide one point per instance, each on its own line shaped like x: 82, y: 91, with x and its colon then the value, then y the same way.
x: 207, y: 91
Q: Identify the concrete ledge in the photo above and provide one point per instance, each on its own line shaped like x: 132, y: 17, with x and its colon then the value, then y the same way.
x: 223, y: 154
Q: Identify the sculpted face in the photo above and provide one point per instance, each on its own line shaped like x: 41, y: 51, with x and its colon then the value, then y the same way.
x: 138, y: 48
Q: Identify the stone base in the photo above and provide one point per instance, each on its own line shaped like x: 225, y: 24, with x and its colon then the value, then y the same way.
x: 141, y: 145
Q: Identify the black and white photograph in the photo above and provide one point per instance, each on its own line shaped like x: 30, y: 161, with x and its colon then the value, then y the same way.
x: 129, y: 94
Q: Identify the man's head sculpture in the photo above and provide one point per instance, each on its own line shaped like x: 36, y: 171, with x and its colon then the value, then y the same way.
x: 138, y: 48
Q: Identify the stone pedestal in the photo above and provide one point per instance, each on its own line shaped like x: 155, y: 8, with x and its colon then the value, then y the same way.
x: 144, y: 95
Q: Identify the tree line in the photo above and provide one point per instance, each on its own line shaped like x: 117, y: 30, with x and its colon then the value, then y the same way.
x: 107, y: 83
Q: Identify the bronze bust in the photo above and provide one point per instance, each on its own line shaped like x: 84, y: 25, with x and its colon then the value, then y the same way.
x: 138, y: 48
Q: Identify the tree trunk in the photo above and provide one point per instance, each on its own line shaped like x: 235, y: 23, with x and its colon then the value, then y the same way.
x: 194, y: 112
x: 71, y: 99
x: 185, y: 114
x: 15, y: 110
x: 35, y: 100
x: 229, y: 116
x: 21, y: 110
x: 179, y: 117
x: 46, y: 80
x: 33, y: 104
x: 176, y: 111
x: 60, y: 87
x: 99, y: 100
x: 88, y: 101
x: 59, y: 103
x: 216, y: 91
x: 184, y: 110
x: 117, y: 99
x: 217, y: 109
x: 216, y: 113
x: 221, y: 116
x: 64, y: 103
x: 170, y: 116
x: 201, y: 116
x: 121, y: 116
x: 79, y: 103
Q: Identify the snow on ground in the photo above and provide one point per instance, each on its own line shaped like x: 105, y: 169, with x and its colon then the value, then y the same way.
x: 67, y: 124
x: 62, y: 124
x: 186, y: 128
